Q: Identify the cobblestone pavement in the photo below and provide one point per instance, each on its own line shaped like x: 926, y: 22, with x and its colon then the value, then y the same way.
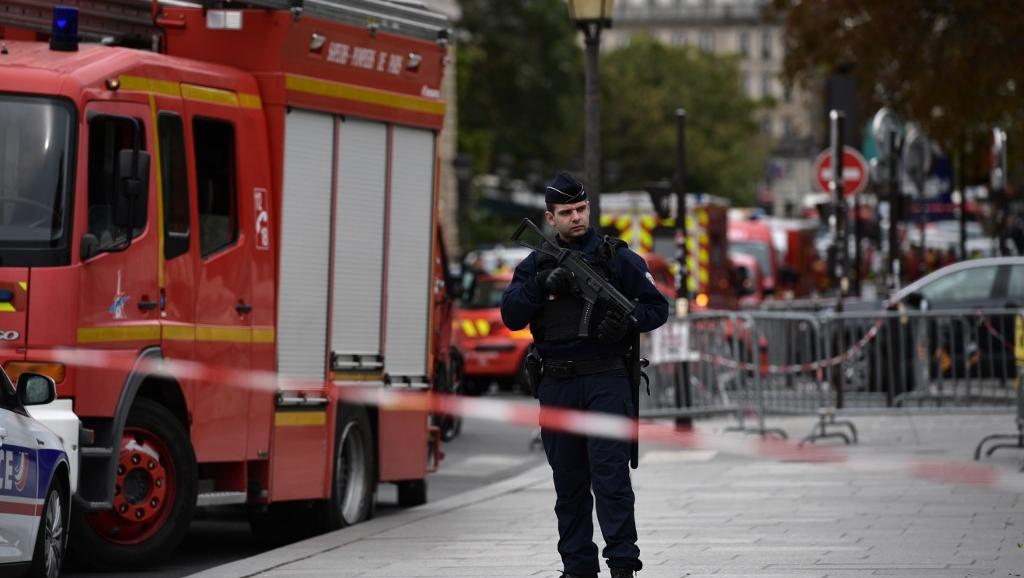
x: 707, y: 513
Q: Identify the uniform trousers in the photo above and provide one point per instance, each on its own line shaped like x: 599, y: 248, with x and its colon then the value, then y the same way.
x: 580, y: 464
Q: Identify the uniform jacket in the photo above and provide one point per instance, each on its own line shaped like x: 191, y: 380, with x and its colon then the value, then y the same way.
x: 523, y: 300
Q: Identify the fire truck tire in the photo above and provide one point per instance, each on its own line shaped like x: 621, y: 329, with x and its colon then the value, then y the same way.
x: 412, y: 493
x: 354, y: 479
x: 161, y: 493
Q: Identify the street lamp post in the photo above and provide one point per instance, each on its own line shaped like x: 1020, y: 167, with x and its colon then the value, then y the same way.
x: 591, y: 16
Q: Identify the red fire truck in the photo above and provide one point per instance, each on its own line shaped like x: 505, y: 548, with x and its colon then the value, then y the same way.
x: 253, y: 189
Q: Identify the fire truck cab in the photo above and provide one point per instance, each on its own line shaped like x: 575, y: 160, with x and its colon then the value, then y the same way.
x: 256, y: 192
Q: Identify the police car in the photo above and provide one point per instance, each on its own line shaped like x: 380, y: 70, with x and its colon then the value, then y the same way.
x: 36, y: 478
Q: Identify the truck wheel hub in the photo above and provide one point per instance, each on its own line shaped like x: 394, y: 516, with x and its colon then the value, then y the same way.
x: 141, y: 484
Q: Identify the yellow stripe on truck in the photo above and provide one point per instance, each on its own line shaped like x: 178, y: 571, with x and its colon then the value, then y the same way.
x: 299, y: 418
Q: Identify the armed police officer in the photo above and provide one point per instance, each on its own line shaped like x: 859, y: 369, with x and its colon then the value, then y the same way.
x: 587, y: 373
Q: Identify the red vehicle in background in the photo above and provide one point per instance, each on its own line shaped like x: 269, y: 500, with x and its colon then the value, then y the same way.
x: 492, y: 352
x: 749, y: 279
x: 754, y: 238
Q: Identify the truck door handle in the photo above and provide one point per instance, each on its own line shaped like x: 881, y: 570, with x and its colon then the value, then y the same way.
x: 243, y: 308
x: 146, y: 305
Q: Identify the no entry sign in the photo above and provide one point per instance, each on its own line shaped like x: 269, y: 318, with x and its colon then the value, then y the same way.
x: 855, y: 171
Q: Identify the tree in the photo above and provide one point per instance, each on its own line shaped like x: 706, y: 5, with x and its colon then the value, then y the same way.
x: 642, y: 86
x: 952, y: 66
x: 520, y: 84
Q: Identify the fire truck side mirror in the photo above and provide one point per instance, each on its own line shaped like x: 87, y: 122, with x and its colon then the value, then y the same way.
x: 133, y: 170
x: 132, y: 185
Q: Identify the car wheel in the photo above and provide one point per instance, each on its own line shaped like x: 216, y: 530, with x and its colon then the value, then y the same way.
x: 154, y: 494
x: 52, y: 537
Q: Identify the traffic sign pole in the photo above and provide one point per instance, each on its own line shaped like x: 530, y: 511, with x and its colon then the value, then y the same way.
x: 838, y: 237
x: 895, y: 213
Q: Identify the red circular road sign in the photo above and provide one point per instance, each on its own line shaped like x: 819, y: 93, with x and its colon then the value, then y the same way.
x: 855, y: 171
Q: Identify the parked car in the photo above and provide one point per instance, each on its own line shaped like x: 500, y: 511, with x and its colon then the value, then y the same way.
x: 974, y: 340
x: 991, y: 283
x: 35, y: 482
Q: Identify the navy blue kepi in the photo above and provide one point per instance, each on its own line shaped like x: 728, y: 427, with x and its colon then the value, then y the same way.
x: 564, y: 189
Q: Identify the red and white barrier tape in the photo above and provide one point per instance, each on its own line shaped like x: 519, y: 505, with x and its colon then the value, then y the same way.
x: 797, y: 367
x: 528, y: 414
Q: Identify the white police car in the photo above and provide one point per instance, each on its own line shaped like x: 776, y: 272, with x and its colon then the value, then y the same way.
x: 36, y: 481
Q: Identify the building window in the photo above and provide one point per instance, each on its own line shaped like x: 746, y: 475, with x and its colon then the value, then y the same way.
x: 745, y: 44
x: 707, y: 41
x: 788, y: 130
x: 766, y: 45
x: 678, y: 38
x: 787, y: 93
x: 766, y: 85
x: 745, y: 84
x: 766, y: 126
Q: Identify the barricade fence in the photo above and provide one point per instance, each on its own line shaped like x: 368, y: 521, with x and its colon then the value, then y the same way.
x: 757, y: 364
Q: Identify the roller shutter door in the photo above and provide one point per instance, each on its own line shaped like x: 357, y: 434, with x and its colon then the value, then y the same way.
x: 305, y: 244
x: 359, y: 244
x: 409, y: 251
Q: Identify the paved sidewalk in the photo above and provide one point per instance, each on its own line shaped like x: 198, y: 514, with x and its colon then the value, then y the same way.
x: 703, y: 513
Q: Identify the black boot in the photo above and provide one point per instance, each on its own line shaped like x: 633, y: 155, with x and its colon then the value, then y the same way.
x: 567, y: 575
x: 622, y: 573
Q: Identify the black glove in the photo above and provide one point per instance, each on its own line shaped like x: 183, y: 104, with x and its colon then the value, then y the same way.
x: 613, y: 327
x: 557, y: 281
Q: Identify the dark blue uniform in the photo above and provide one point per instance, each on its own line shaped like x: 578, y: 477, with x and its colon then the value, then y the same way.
x: 578, y: 463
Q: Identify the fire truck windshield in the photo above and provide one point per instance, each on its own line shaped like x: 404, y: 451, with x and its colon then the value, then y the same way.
x: 36, y: 146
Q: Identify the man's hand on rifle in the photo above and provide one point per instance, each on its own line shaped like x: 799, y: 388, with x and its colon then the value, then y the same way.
x: 613, y: 327
x: 557, y: 281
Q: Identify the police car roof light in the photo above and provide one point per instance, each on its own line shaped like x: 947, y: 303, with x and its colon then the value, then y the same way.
x: 64, y: 30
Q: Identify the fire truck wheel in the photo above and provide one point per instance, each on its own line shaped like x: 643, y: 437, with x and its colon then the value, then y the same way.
x: 154, y: 495
x: 355, y: 477
x: 412, y: 493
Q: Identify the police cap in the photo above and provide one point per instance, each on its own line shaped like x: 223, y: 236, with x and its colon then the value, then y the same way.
x: 564, y: 189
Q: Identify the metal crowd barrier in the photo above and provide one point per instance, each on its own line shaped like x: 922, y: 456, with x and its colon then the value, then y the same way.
x: 757, y: 364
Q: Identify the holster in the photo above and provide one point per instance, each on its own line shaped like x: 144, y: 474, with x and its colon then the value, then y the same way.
x: 534, y: 370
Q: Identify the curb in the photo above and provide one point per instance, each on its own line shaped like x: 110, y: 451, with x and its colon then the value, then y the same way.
x: 309, y: 548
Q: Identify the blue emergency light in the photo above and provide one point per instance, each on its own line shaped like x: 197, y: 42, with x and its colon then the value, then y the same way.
x: 64, y: 31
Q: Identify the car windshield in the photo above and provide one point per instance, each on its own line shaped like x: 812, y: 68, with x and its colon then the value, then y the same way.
x: 35, y: 152
x: 487, y: 294
x: 756, y: 250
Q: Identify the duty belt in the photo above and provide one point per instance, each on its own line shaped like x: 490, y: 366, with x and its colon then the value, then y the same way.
x: 567, y: 369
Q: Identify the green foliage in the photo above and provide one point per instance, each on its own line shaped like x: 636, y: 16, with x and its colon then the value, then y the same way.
x: 642, y: 86
x: 520, y: 85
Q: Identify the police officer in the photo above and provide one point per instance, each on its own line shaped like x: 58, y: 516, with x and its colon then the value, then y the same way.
x: 586, y: 374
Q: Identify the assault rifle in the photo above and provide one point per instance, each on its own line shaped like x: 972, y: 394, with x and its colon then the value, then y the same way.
x: 590, y: 285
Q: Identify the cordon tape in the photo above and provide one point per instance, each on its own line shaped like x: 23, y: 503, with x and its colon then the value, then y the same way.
x: 526, y: 414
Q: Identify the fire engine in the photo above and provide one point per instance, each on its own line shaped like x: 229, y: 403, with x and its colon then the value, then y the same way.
x: 251, y: 189
x: 632, y: 216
